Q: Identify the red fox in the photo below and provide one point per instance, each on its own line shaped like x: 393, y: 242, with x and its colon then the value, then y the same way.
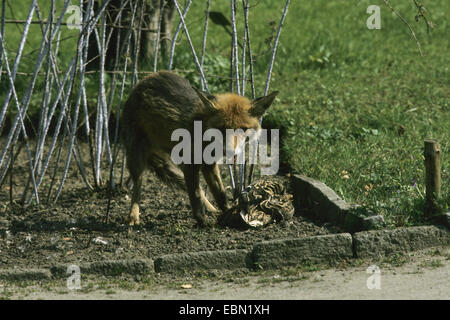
x: 164, y: 102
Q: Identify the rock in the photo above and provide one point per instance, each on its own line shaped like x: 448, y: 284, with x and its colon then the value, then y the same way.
x: 204, y: 260
x: 380, y: 243
x: 24, y: 274
x: 291, y: 252
x: 317, y: 201
x: 100, y: 240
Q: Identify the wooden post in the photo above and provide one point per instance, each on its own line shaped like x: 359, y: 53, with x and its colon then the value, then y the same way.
x: 432, y: 153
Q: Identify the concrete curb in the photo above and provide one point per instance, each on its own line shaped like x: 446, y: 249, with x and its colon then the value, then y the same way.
x: 290, y: 252
x: 380, y: 243
x: 24, y: 274
x: 108, y: 268
x: 324, y: 249
x: 316, y: 200
x: 204, y: 260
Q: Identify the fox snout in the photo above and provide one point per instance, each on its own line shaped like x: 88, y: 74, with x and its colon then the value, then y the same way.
x: 238, y: 139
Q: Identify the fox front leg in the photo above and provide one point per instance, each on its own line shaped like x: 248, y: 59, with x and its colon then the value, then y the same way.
x: 192, y: 179
x: 211, y: 174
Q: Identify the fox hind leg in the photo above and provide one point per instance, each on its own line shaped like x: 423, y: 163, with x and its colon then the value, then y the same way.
x: 136, y: 166
x: 167, y: 171
x: 133, y: 218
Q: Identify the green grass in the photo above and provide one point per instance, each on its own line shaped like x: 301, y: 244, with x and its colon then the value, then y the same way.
x: 346, y: 114
x: 355, y: 104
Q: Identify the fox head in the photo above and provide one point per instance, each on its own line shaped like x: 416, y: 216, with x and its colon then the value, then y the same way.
x: 231, y: 111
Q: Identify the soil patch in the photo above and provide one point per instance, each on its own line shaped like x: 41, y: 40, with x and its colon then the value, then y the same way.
x: 73, y: 230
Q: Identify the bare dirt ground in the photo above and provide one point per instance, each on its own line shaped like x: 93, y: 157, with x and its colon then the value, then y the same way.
x: 419, y: 275
x: 73, y: 230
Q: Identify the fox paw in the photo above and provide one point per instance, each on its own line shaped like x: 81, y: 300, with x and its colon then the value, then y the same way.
x: 204, y: 219
x: 132, y: 221
x: 207, y: 222
x: 133, y: 217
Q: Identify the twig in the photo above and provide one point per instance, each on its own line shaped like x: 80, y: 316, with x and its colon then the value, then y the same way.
x: 235, y: 47
x: 2, y: 32
x: 158, y: 34
x: 175, y: 36
x: 421, y: 14
x: 250, y: 54
x: 405, y: 22
x: 274, y: 51
x: 200, y: 69
x: 205, y: 31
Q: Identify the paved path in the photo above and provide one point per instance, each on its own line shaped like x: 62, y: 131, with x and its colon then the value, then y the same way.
x: 423, y: 276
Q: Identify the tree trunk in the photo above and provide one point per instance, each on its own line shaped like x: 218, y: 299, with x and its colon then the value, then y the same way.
x: 150, y: 21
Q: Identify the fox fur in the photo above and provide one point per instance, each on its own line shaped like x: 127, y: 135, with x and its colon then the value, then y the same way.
x: 164, y: 102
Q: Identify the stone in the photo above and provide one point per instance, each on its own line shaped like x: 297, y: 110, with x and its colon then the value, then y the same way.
x: 203, y: 260
x: 327, y: 249
x: 380, y: 243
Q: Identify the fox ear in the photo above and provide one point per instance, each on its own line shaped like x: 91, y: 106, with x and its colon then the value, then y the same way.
x: 260, y: 105
x: 207, y: 100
